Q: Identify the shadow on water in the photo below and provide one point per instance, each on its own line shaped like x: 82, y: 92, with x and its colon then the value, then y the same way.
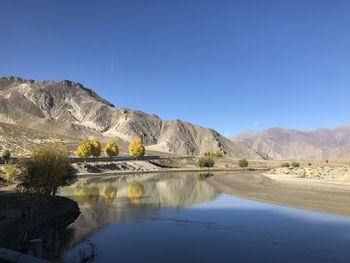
x: 48, y: 222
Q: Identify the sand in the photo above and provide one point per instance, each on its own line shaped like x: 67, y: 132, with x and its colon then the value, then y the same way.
x: 329, y: 196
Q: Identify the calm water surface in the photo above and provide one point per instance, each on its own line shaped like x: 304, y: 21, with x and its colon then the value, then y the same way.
x: 180, y: 218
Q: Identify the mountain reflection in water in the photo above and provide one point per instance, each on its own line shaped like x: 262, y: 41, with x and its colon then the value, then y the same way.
x: 110, y: 199
x: 179, y: 218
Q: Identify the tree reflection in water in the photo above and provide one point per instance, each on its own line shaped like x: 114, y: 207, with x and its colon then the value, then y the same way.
x: 135, y: 192
x: 105, y: 200
x: 109, y: 194
x: 87, y: 195
x: 203, y: 176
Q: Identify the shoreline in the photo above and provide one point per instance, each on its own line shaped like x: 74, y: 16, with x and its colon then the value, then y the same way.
x: 173, y: 170
x: 312, y: 194
x: 325, y: 197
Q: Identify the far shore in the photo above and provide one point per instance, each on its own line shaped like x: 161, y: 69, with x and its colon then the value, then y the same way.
x: 172, y: 170
x: 316, y: 195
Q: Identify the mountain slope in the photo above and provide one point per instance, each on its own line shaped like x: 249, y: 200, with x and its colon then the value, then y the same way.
x: 67, y: 108
x: 320, y: 144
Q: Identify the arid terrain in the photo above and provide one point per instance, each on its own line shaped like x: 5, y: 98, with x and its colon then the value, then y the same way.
x: 67, y: 109
x: 35, y: 112
x: 284, y: 144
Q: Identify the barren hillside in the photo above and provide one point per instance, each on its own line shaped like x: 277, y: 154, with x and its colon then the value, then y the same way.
x: 69, y: 109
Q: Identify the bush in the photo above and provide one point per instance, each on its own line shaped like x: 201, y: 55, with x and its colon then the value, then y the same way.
x: 95, y: 148
x: 243, y: 163
x: 206, y: 162
x: 136, y: 148
x: 47, y: 169
x: 309, y: 164
x: 6, y: 155
x: 11, y: 172
x: 84, y: 149
x: 214, y: 154
x: 111, y: 149
x: 285, y: 165
x: 295, y: 164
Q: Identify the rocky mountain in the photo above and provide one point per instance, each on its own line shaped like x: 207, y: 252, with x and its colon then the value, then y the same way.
x: 67, y: 108
x: 320, y: 144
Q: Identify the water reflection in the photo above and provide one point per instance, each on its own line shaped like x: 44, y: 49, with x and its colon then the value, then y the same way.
x: 87, y: 195
x: 203, y: 176
x: 135, y: 192
x: 109, y: 194
x: 106, y: 199
x: 121, y: 215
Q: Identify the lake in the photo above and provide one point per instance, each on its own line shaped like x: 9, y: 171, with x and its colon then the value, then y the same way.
x: 178, y: 217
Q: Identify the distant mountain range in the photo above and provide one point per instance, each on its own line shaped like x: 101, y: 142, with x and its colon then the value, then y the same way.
x: 320, y: 144
x: 70, y: 111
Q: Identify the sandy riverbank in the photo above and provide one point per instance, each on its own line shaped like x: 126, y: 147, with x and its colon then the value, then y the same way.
x: 319, y: 195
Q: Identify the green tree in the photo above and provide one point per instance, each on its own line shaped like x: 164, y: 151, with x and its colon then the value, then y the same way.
x: 95, y: 148
x: 243, y: 164
x: 295, y: 164
x: 47, y: 169
x: 6, y: 155
x: 111, y: 149
x: 84, y: 149
x: 213, y: 154
x: 136, y: 148
x: 206, y: 162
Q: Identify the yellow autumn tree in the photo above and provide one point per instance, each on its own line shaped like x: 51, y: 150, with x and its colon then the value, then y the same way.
x: 136, y: 148
x: 111, y: 149
x: 84, y: 149
x: 95, y: 148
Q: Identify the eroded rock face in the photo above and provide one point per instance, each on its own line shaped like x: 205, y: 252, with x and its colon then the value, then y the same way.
x: 67, y: 108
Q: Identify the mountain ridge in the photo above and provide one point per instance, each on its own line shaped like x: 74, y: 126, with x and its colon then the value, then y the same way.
x: 68, y: 108
x: 287, y: 143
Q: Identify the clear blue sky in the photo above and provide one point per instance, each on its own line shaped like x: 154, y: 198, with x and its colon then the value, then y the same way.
x: 230, y: 65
